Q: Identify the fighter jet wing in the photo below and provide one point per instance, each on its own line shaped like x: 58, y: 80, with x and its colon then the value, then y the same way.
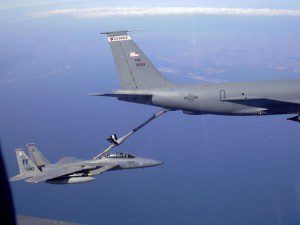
x: 266, y: 103
x: 21, y: 176
x: 103, y: 169
x: 57, y: 172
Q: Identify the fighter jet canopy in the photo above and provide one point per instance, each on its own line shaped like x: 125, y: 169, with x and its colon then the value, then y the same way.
x: 120, y: 155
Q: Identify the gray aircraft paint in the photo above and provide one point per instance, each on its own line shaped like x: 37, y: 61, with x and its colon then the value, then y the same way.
x: 131, y: 64
x: 36, y: 156
x: 71, y: 170
x: 142, y: 83
x: 27, y: 168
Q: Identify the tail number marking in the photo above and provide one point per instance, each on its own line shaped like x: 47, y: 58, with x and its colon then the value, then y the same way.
x: 140, y: 64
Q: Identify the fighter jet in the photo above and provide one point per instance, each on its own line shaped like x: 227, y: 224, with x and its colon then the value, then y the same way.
x: 142, y: 83
x: 71, y: 170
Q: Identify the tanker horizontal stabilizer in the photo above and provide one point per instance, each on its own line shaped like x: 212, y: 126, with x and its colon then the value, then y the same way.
x: 142, y: 98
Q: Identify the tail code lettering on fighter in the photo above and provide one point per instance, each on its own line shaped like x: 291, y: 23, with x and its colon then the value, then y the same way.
x: 26, y: 166
x: 134, y: 68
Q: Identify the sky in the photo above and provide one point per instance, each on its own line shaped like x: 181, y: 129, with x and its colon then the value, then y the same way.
x: 217, y: 169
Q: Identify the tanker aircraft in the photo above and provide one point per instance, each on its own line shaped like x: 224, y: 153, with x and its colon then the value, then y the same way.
x: 71, y: 170
x: 142, y: 83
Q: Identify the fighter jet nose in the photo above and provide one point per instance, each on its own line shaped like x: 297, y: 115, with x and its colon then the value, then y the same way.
x: 149, y: 163
x: 157, y: 163
x: 160, y: 163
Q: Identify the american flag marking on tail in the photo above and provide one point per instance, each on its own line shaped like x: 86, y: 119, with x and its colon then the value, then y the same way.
x: 133, y: 54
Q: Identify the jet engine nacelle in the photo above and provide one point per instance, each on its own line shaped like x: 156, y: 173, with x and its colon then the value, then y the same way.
x: 71, y: 180
x: 295, y: 118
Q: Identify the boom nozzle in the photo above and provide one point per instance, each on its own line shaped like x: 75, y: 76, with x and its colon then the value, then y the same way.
x: 113, y: 139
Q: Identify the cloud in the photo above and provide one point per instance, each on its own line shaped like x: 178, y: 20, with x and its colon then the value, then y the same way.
x: 43, y: 74
x: 190, y: 75
x: 152, y: 11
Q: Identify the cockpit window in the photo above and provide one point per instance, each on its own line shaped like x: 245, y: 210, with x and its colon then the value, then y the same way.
x: 120, y: 155
x: 130, y: 156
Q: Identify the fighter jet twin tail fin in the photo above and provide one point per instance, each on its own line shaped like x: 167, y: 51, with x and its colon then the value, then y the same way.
x: 36, y: 156
x: 29, y: 166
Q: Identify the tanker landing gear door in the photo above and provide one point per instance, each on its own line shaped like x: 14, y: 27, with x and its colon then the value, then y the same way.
x: 222, y: 95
